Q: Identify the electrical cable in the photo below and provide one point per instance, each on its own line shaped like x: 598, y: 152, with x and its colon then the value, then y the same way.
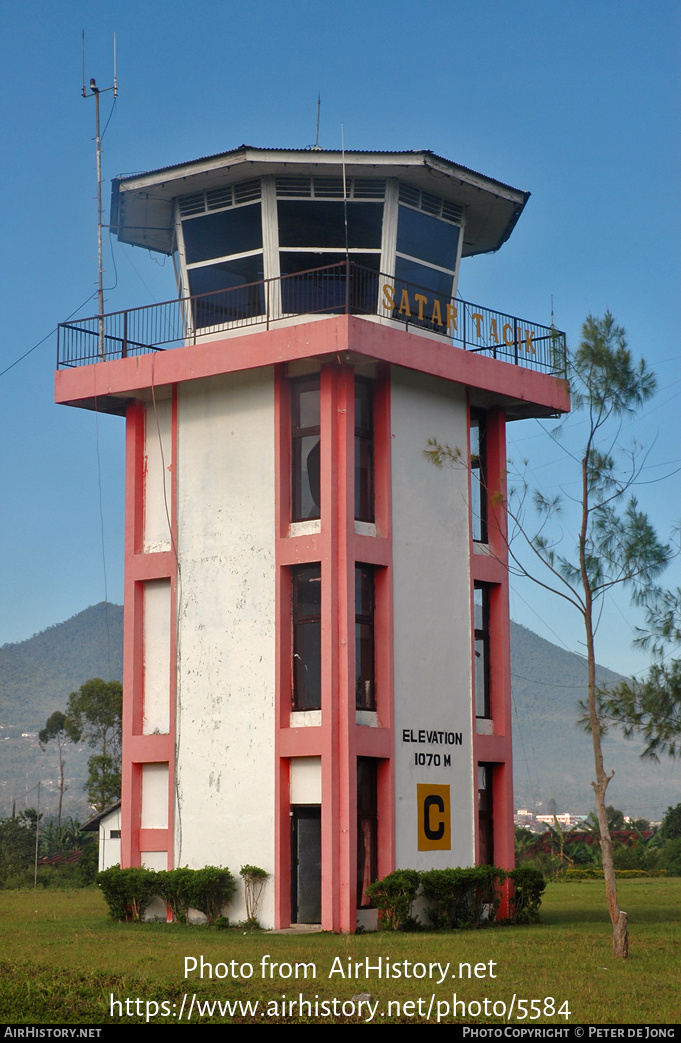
x: 54, y: 330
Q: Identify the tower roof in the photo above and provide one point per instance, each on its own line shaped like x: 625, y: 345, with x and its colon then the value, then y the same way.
x: 142, y: 210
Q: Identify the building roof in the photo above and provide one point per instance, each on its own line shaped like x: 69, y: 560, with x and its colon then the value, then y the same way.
x: 92, y: 824
x: 142, y: 210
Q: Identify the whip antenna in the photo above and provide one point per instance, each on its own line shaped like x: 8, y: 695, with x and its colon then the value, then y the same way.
x: 93, y: 91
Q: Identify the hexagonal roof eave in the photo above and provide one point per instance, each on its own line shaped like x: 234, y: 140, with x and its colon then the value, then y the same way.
x: 142, y: 204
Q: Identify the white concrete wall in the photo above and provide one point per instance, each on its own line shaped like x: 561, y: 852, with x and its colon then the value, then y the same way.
x: 432, y: 618
x: 157, y: 481
x: 226, y: 640
x: 109, y: 847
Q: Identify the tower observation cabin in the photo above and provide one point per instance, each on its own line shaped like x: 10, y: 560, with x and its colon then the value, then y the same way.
x: 316, y: 661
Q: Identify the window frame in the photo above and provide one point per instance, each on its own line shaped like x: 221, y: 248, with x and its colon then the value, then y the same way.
x: 300, y: 699
x: 485, y: 813
x: 365, y: 510
x: 367, y: 827
x: 479, y: 474
x: 365, y: 630
x: 298, y: 434
x: 481, y: 649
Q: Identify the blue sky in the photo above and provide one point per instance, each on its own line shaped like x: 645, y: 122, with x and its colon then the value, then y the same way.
x: 577, y: 103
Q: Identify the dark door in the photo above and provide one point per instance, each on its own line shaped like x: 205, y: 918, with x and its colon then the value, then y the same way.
x: 306, y: 870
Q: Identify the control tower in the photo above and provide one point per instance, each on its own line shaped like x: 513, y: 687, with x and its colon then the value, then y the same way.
x: 316, y: 665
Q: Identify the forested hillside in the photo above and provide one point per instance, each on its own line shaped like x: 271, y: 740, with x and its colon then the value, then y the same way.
x: 552, y: 757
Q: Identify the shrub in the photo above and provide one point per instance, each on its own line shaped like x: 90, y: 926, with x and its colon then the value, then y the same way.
x: 528, y: 888
x: 625, y: 857
x: 593, y: 873
x: 174, y: 887
x: 393, y: 897
x: 128, y: 891
x: 484, y: 894
x: 87, y: 865
x: 463, y: 897
x: 209, y: 889
x: 447, y: 891
x: 670, y: 857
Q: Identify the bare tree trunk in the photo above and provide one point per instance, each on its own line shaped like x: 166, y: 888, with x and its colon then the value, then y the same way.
x: 620, y: 938
x: 61, y: 744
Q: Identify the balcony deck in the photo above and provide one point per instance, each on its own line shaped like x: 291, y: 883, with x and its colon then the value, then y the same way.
x: 339, y: 289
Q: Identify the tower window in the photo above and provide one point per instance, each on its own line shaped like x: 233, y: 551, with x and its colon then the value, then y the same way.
x: 485, y: 814
x: 367, y: 828
x: 481, y: 649
x: 305, y: 447
x: 364, y: 451
x: 478, y: 461
x: 364, y: 638
x: 307, y: 637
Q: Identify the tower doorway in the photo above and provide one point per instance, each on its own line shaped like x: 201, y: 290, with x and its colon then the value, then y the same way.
x: 306, y: 867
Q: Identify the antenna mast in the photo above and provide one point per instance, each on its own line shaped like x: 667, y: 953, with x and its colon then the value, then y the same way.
x: 316, y: 147
x: 94, y: 92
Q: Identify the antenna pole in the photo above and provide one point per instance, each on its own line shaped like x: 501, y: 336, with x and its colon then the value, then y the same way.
x: 100, y: 269
x: 95, y: 91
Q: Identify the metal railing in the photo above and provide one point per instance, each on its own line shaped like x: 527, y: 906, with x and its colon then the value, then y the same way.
x: 336, y: 289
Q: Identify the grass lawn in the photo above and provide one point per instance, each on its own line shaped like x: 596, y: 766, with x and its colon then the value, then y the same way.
x: 62, y: 958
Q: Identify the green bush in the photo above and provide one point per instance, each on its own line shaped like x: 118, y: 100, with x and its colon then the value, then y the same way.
x: 209, y: 889
x: 128, y: 891
x: 528, y: 889
x: 593, y: 873
x: 56, y: 878
x: 174, y: 887
x: 87, y: 865
x: 481, y: 886
x: 626, y: 857
x: 670, y: 857
x: 393, y: 897
x: 448, y: 890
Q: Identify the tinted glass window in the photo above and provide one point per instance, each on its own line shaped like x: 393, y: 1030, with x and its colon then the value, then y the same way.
x: 485, y: 814
x: 305, y: 448
x: 481, y: 648
x: 227, y: 232
x: 322, y: 223
x: 478, y: 477
x: 439, y: 283
x: 225, y: 274
x: 238, y: 299
x: 327, y: 290
x: 364, y: 638
x: 364, y: 451
x: 420, y: 235
x: 307, y: 637
x: 367, y: 827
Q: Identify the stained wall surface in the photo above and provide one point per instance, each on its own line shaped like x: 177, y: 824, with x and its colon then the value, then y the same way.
x: 226, y: 638
x: 432, y: 618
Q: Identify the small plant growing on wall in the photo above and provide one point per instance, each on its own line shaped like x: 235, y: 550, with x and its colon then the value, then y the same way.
x: 254, y: 881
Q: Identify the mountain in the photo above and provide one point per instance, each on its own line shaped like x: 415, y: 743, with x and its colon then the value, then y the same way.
x: 552, y: 757
x: 38, y: 675
x: 36, y: 678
